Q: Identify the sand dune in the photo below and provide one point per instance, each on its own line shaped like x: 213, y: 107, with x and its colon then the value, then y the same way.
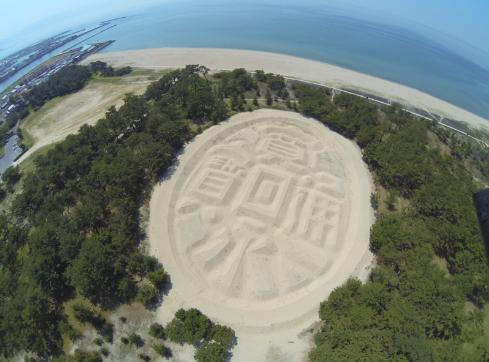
x: 222, y: 59
x: 264, y: 216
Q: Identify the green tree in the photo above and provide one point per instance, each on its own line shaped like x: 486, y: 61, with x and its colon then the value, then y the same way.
x: 211, y: 352
x: 147, y: 295
x: 223, y: 335
x: 260, y: 76
x: 391, y: 201
x: 313, y: 102
x: 189, y: 326
x: 159, y: 278
x: 269, y: 99
x: 11, y: 176
x: 162, y: 350
x: 156, y: 330
x: 136, y: 340
x: 83, y: 356
x: 93, y: 273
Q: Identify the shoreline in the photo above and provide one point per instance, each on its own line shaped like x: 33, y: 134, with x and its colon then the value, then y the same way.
x: 292, y: 67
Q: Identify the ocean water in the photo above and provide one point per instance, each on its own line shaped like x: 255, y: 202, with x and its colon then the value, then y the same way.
x: 319, y: 33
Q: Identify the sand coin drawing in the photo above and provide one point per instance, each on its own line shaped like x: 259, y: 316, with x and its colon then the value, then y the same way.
x: 262, y: 211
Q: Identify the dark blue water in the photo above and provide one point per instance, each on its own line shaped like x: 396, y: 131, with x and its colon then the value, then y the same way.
x: 319, y: 33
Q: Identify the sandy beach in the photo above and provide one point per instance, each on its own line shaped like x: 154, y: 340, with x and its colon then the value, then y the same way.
x: 264, y: 215
x: 304, y: 69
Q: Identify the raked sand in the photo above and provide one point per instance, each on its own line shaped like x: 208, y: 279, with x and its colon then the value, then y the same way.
x: 308, y: 70
x: 262, y: 217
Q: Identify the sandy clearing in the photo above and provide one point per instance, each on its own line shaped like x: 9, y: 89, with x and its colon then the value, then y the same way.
x: 264, y: 216
x: 64, y: 116
x: 309, y: 70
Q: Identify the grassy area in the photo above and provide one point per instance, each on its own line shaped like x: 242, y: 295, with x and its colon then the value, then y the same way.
x: 476, y: 330
x: 75, y: 323
x: 2, y: 151
x: 7, y: 201
x: 77, y: 328
x: 27, y: 165
x: 442, y: 264
x: 33, y: 119
x: 40, y: 115
x: 107, y: 80
x: 151, y: 74
x: 62, y: 116
x: 136, y: 75
x: 27, y: 139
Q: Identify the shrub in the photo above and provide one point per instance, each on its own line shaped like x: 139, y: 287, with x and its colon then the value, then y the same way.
x: 223, y: 335
x: 147, y: 295
x: 3, y: 193
x: 159, y: 278
x: 122, y: 71
x: 374, y: 201
x: 211, y: 352
x: 107, y: 331
x: 104, y: 351
x: 11, y: 176
x: 144, y: 357
x: 66, y: 329
x: 162, y: 350
x: 260, y: 76
x: 269, y: 98
x: 86, y: 315
x: 98, y: 341
x: 156, y: 330
x: 188, y: 326
x: 82, y: 356
x: 275, y: 81
x: 136, y: 340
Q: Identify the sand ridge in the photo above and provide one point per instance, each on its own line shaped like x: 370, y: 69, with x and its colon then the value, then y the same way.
x: 263, y: 217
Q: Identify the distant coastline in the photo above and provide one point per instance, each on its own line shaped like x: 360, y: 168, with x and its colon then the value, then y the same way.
x: 294, y: 67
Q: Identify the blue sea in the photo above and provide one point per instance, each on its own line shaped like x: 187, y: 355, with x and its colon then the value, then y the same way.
x: 361, y: 43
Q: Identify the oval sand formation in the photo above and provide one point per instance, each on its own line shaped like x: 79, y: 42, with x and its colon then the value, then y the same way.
x: 265, y: 214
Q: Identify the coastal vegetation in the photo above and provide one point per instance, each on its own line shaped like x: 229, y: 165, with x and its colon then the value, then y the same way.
x: 73, y: 231
x: 432, y: 279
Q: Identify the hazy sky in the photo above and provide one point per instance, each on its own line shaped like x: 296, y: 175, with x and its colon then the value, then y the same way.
x: 466, y: 20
